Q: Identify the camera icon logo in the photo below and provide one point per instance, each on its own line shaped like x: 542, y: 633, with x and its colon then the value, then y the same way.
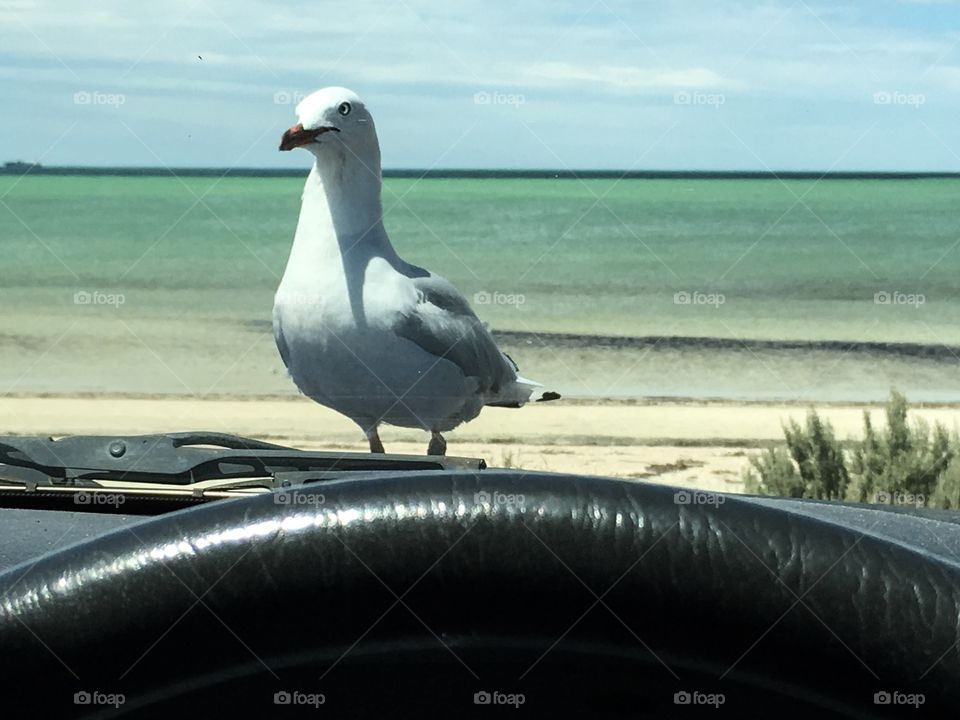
x: 282, y: 698
x: 482, y: 698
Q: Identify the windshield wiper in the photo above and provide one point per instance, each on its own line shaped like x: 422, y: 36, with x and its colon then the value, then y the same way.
x: 192, y: 463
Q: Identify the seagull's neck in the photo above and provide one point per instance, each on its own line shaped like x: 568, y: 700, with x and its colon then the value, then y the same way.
x: 341, y: 216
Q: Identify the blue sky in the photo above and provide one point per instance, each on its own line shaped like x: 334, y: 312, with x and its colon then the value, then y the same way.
x: 870, y: 85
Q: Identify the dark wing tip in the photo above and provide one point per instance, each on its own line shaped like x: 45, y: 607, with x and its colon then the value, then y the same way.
x: 516, y: 368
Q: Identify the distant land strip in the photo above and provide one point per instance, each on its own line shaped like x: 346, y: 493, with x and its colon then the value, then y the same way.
x: 514, y: 338
x: 573, y: 340
x: 27, y: 169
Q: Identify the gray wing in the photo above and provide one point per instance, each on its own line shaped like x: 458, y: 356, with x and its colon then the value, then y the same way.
x: 443, y: 324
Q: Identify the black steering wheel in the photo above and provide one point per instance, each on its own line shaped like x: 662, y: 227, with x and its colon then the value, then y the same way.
x: 432, y: 592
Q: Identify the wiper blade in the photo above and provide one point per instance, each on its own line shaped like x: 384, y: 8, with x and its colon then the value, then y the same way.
x: 191, y: 462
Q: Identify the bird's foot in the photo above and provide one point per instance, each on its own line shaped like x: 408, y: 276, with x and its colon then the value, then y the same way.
x: 438, y: 446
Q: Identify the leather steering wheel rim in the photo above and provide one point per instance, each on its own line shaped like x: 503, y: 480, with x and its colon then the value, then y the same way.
x: 569, y: 590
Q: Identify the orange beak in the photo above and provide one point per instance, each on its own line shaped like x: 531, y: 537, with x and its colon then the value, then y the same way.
x: 297, y: 136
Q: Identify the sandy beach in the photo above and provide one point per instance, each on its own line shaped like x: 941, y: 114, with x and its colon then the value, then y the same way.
x: 691, y: 444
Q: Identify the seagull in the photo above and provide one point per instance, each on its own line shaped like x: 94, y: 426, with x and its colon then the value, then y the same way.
x: 359, y: 329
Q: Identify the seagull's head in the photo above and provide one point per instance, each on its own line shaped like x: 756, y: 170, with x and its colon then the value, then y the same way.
x: 332, y: 119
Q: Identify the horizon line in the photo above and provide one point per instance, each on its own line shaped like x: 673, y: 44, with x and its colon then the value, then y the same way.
x: 26, y: 168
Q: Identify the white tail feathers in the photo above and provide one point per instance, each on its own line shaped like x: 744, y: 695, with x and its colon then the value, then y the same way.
x: 522, y: 391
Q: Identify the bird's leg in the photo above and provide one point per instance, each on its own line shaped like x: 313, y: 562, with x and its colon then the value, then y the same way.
x: 374, y: 437
x: 438, y: 446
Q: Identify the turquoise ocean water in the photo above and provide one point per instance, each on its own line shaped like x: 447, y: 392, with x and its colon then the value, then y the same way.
x: 736, y: 289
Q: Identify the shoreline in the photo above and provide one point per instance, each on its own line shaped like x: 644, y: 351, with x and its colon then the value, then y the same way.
x: 577, y: 401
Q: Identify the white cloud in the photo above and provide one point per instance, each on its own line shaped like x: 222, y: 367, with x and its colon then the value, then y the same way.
x: 625, y: 77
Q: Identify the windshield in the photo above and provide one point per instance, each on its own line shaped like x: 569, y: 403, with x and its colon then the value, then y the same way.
x: 692, y: 226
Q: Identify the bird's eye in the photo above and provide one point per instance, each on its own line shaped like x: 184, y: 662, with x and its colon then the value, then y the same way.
x: 344, y: 109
